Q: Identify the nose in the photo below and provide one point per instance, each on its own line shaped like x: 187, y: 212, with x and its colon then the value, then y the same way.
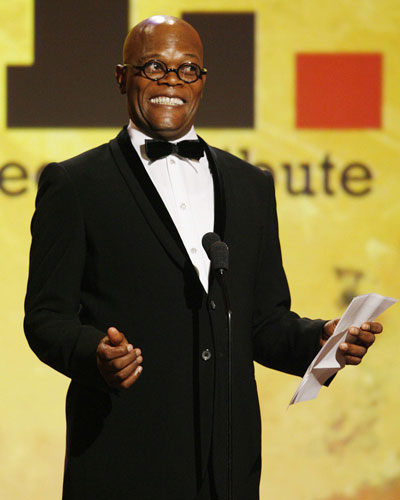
x: 171, y: 78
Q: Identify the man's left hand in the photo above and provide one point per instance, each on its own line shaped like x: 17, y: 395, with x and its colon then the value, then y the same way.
x: 359, y: 342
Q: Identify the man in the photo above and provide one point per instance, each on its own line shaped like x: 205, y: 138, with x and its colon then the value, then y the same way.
x: 119, y: 297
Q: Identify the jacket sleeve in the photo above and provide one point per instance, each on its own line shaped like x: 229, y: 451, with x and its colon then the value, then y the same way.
x: 282, y: 340
x: 57, y: 260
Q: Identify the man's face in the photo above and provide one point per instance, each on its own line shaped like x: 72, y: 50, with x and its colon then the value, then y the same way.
x: 163, y: 118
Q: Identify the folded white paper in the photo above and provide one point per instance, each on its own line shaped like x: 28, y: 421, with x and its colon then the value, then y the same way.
x: 329, y: 360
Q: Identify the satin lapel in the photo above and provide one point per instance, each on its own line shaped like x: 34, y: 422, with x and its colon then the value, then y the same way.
x: 219, y: 191
x: 147, y: 197
x: 219, y: 198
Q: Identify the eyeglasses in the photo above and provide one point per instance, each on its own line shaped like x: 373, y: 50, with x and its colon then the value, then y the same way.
x: 155, y: 70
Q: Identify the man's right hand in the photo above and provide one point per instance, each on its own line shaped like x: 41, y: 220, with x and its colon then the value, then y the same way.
x: 118, y: 361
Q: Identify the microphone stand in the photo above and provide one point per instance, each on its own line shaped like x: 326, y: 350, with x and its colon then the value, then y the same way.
x: 221, y: 278
x: 218, y: 253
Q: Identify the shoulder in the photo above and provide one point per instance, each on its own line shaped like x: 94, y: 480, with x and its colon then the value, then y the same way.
x: 77, y: 176
x: 87, y: 161
x: 84, y: 166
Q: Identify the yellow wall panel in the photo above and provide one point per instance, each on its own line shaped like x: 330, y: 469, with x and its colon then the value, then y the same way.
x: 346, y: 444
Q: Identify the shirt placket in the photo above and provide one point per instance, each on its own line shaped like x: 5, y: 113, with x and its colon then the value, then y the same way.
x: 183, y: 211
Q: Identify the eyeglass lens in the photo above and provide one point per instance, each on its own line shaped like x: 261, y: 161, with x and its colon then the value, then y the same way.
x: 188, y: 72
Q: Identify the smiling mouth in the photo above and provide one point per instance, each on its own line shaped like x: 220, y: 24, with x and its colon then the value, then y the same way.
x: 167, y: 101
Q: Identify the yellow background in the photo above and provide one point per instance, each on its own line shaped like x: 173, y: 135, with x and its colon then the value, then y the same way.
x: 344, y: 445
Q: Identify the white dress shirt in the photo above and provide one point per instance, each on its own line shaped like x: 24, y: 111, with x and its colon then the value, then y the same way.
x: 187, y: 190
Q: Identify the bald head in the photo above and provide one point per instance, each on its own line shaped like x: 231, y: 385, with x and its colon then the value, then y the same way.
x: 165, y: 107
x: 144, y: 33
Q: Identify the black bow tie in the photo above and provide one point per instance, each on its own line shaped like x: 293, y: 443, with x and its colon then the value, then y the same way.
x: 187, y: 149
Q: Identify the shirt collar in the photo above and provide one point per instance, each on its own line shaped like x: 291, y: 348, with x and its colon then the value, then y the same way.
x: 137, y: 138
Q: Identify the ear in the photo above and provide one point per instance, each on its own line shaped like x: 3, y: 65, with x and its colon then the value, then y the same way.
x: 120, y: 76
x: 203, y: 79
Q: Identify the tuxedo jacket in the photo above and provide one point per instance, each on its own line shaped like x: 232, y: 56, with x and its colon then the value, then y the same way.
x: 105, y: 252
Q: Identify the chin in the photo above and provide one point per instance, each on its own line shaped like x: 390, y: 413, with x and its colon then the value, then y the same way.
x: 168, y: 135
x: 170, y: 131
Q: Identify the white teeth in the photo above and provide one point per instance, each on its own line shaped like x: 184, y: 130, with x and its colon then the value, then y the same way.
x: 170, y: 101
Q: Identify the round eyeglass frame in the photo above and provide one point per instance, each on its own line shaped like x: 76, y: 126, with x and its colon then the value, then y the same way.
x: 199, y: 71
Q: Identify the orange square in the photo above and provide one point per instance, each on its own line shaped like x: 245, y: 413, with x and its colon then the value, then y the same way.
x: 338, y: 90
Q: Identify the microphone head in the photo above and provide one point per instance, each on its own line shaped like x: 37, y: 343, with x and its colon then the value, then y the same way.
x: 207, y: 240
x: 219, y: 255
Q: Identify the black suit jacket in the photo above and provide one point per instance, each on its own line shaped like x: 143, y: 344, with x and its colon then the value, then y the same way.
x: 106, y: 253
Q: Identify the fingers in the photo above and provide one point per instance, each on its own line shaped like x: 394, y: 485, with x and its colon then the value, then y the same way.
x: 116, y: 337
x: 372, y: 326
x: 361, y: 337
x: 107, y: 351
x: 359, y: 342
x: 126, y: 376
x: 113, y: 345
x: 118, y: 361
x: 329, y: 328
x: 353, y: 353
x: 118, y: 364
x: 130, y: 379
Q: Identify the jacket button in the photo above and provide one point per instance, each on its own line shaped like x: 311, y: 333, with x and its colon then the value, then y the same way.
x: 206, y: 354
x: 213, y: 305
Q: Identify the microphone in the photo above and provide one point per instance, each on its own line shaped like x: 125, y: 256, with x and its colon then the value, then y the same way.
x: 208, y: 239
x: 217, y: 251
